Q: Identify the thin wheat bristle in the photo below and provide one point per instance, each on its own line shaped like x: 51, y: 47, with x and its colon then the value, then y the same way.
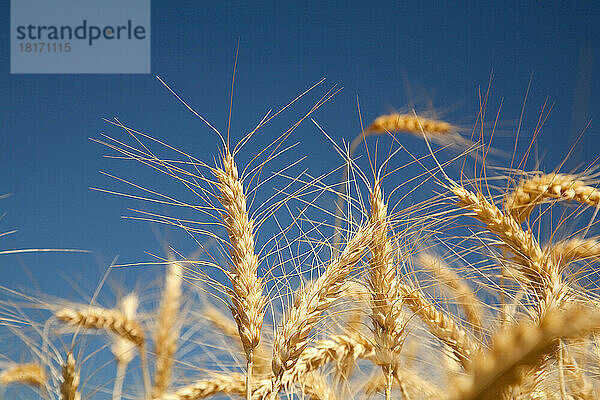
x: 463, y: 294
x: 70, y: 380
x: 533, y: 191
x: 521, y: 348
x: 409, y: 123
x: 29, y: 374
x: 167, y: 331
x: 101, y: 318
x: 292, y: 337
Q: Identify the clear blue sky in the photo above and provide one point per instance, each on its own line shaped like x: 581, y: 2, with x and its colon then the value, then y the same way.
x: 446, y: 49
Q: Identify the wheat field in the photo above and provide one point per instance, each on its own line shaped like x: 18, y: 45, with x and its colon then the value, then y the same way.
x: 337, y: 284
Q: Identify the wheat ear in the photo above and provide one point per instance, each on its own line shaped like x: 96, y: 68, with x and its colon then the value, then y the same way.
x: 112, y: 321
x: 167, y: 330
x: 521, y: 348
x: 539, y: 273
x: 233, y: 384
x: 531, y: 192
x: 440, y: 324
x: 460, y: 289
x: 70, y: 380
x: 386, y: 316
x: 247, y: 300
x: 573, y: 250
x: 29, y: 374
x: 293, y: 335
x: 409, y: 123
x: 123, y: 349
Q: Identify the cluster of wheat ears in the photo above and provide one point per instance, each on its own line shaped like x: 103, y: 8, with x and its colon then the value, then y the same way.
x: 462, y: 296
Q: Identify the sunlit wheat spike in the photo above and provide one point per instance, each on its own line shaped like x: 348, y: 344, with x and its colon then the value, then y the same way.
x: 101, y: 318
x: 573, y: 250
x: 247, y: 299
x: 231, y: 384
x: 463, y: 294
x: 293, y: 335
x: 386, y: 316
x: 122, y: 348
x: 537, y: 189
x: 539, y: 273
x: 29, y: 374
x: 70, y: 380
x: 167, y: 330
x: 520, y: 348
x: 440, y: 324
x: 410, y: 123
x: 341, y: 350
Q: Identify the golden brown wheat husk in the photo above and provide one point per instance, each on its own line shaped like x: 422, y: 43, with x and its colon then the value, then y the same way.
x: 29, y: 374
x: 463, y: 294
x: 573, y: 250
x: 343, y: 350
x: 440, y: 324
x: 292, y: 337
x: 167, y: 330
x: 232, y: 384
x: 533, y: 191
x: 313, y: 387
x: 123, y: 348
x: 387, y: 320
x: 248, y: 302
x: 540, y: 274
x: 409, y: 123
x: 70, y: 380
x: 521, y: 348
x: 112, y: 321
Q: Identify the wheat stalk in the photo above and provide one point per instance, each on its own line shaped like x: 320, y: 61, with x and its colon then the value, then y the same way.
x: 247, y: 300
x: 414, y: 384
x: 386, y: 317
x: 167, y: 331
x: 293, y: 335
x: 30, y: 374
x: 229, y: 329
x: 531, y: 192
x: 70, y: 380
x: 521, y: 348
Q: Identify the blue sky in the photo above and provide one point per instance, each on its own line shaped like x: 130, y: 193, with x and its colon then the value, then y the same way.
x: 446, y: 50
